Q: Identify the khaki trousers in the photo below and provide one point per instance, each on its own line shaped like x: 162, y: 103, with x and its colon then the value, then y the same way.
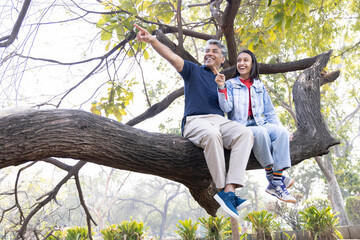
x: 213, y: 133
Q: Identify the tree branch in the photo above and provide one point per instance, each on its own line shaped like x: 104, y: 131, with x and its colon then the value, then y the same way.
x: 75, y: 134
x: 51, y: 196
x: 306, y: 94
x: 89, y: 218
x: 11, y: 38
x: 227, y: 27
x: 200, y: 4
x: 18, y: 205
x: 157, y: 108
x: 329, y: 77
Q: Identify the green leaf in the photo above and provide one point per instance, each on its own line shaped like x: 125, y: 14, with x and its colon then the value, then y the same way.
x: 106, y: 32
x: 301, y: 7
x: 144, y: 5
x: 278, y: 17
x: 146, y: 55
x: 251, y: 47
x: 272, y: 35
x: 167, y: 17
x: 131, y: 52
x: 256, y: 39
x: 128, y: 24
x: 120, y: 32
x: 293, y: 9
x: 107, y: 46
x: 101, y: 23
x: 128, y: 6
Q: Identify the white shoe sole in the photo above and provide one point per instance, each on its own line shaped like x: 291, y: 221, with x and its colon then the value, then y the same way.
x: 226, y: 208
x: 284, y: 200
x: 243, y: 205
x: 291, y: 183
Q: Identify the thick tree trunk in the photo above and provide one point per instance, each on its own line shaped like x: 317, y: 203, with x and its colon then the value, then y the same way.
x: 335, y: 196
x: 311, y: 128
x: 37, y: 135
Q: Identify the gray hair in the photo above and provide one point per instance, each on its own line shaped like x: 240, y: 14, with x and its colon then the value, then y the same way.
x: 222, y: 47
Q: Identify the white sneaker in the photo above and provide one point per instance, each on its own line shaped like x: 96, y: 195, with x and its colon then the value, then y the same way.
x: 280, y: 192
x: 288, y: 181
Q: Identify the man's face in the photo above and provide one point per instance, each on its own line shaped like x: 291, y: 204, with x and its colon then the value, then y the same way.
x: 213, y: 56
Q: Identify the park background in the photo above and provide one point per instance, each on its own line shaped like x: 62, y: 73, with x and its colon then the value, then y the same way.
x: 50, y: 56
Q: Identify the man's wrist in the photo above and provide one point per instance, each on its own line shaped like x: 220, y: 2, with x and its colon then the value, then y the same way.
x: 221, y: 87
x: 152, y: 40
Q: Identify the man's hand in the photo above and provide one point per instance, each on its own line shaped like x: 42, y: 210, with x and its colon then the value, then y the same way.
x: 143, y: 35
x: 220, y: 78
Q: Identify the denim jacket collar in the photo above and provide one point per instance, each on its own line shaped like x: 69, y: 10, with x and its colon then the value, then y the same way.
x: 256, y: 84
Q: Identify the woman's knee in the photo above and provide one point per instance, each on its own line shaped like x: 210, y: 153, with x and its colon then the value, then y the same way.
x: 261, y: 132
x: 283, y: 132
x: 276, y: 132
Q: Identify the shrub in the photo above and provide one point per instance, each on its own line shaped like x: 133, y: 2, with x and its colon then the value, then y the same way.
x: 262, y: 223
x: 352, y: 209
x: 55, y: 235
x: 127, y: 230
x: 321, y: 224
x: 317, y: 202
x: 187, y: 229
x: 216, y: 228
x: 75, y: 233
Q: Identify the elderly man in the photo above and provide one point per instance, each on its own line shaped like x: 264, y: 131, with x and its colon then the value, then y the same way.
x: 204, y: 123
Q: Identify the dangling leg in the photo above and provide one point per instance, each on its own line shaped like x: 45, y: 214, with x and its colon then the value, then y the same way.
x: 281, y: 155
x: 269, y: 172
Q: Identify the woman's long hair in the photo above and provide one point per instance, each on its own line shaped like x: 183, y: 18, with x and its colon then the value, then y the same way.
x: 254, y: 73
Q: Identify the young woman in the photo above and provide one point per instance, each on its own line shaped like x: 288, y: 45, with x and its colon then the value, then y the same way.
x: 245, y: 100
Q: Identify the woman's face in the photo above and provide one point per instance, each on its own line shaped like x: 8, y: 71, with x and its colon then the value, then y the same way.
x: 244, y: 65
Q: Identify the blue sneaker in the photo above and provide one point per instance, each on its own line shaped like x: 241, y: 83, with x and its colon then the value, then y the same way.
x: 241, y: 203
x: 227, y: 202
x: 288, y: 181
x: 280, y: 192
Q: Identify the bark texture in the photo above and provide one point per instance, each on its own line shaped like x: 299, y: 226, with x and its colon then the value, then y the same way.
x: 37, y: 135
x: 335, y: 196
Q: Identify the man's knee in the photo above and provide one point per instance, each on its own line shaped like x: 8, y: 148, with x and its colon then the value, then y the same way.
x: 211, y: 135
x: 245, y: 133
x: 249, y: 135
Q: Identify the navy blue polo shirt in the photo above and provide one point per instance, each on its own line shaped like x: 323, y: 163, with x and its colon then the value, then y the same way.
x: 200, y: 88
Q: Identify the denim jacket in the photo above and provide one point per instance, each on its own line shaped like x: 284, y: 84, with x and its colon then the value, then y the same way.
x: 237, y: 103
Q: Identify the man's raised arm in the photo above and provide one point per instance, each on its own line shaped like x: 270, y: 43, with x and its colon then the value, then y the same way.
x: 164, y: 51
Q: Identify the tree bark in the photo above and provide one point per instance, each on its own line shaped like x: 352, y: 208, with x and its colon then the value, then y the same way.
x: 335, y: 196
x: 37, y: 135
x: 311, y: 127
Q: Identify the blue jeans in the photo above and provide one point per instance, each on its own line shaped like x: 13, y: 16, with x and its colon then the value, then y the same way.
x: 271, y: 145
